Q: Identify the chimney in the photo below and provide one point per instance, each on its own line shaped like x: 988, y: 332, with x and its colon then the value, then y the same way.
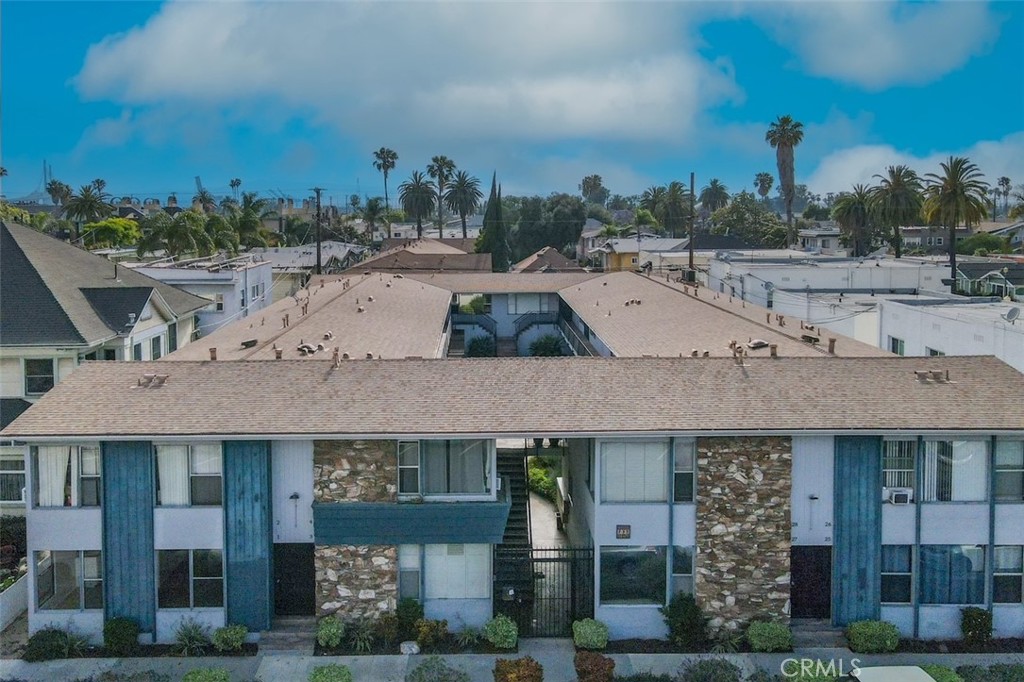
x: 336, y: 357
x: 277, y: 353
x: 773, y: 350
x: 213, y: 353
x: 832, y: 346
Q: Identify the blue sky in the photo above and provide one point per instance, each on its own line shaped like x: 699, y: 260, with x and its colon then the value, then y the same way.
x: 288, y: 95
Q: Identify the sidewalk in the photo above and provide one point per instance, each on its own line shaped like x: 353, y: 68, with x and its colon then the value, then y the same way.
x: 556, y: 655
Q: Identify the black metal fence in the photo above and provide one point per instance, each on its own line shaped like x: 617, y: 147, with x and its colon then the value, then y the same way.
x: 544, y: 590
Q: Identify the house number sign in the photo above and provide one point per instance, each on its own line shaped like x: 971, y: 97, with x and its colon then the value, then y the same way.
x: 623, y: 532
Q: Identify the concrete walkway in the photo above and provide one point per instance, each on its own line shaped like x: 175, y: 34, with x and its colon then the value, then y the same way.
x: 556, y: 655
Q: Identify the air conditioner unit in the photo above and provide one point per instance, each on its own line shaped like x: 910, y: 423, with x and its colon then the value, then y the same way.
x: 901, y: 495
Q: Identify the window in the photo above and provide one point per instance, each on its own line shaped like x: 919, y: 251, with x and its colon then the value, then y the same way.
x: 938, y: 241
x: 633, y: 260
x: 520, y: 304
x: 682, y: 476
x: 634, y: 471
x: 455, y: 467
x: 1008, y: 578
x: 952, y: 574
x: 898, y: 465
x: 218, y: 300
x: 190, y: 579
x: 409, y: 572
x: 457, y: 571
x: 137, y: 352
x: 896, y: 574
x: 67, y: 476
x: 408, y: 468
x: 896, y: 345
x: 931, y: 352
x: 188, y: 475
x: 825, y: 243
x: 255, y: 294
x: 682, y: 570
x: 172, y: 337
x: 1009, y: 471
x: 955, y: 471
x: 38, y: 376
x: 68, y: 581
x: 109, y: 354
x: 632, y: 575
x: 12, y: 479
x: 155, y: 348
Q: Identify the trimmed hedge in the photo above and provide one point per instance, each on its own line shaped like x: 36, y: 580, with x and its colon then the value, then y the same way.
x: 334, y: 672
x: 120, y: 636
x: 768, y: 637
x: 590, y: 634
x: 941, y: 673
x: 872, y: 637
x: 501, y: 631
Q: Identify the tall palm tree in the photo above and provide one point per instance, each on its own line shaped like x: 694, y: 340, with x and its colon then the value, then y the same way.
x: 100, y: 184
x: 653, y: 199
x: 417, y: 195
x: 784, y: 135
x: 676, y: 207
x: 897, y: 202
x: 714, y: 196
x: 235, y: 184
x: 88, y: 206
x: 59, y: 192
x: 247, y: 219
x: 385, y: 160
x: 373, y: 214
x: 853, y: 213
x: 763, y: 181
x: 205, y: 199
x: 440, y: 169
x: 463, y: 197
x: 222, y: 236
x: 184, y: 234
x: 955, y: 195
x: 1004, y: 186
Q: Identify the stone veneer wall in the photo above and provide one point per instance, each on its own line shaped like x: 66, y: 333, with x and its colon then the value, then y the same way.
x: 355, y: 581
x: 743, y: 529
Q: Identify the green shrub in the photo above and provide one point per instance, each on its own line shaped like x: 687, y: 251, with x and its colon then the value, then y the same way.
x: 386, y: 629
x: 229, y: 637
x: 763, y: 676
x: 481, y: 347
x: 207, y: 675
x: 727, y: 643
x: 52, y: 643
x: 1006, y: 672
x: 710, y: 670
x: 646, y: 676
x: 524, y: 669
x: 768, y: 637
x: 191, y: 638
x: 872, y: 637
x: 12, y: 532
x: 430, y: 633
x: 120, y: 636
x: 501, y: 631
x: 467, y: 637
x: 541, y: 481
x: 361, y: 635
x: 548, y: 345
x: 329, y: 632
x: 409, y: 611
x: 334, y: 672
x: 976, y: 625
x: 593, y: 667
x: 972, y: 673
x: 475, y: 306
x: 941, y: 673
x: 590, y: 634
x: 434, y: 669
x: 687, y: 626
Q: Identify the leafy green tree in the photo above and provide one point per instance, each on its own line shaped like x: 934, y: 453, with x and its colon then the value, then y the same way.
x: 384, y: 161
x: 493, y: 237
x: 747, y: 218
x: 676, y: 208
x: 653, y: 200
x: 221, y: 236
x: 763, y: 182
x: 463, y: 197
x: 296, y: 231
x: 564, y: 216
x: 617, y: 202
x: 816, y: 212
x: 374, y: 214
x: 600, y: 214
x: 593, y: 190
x: 784, y: 135
x: 355, y: 202
x: 609, y: 232
x: 111, y: 232
x: 531, y: 230
x: 184, y: 234
x: 548, y: 345
x: 644, y: 218
x: 247, y: 220
x: 1004, y: 188
x: 897, y: 201
x: 417, y: 195
x: 983, y: 243
x: 440, y: 169
x: 955, y: 195
x: 88, y: 206
x: 714, y: 196
x: 855, y: 217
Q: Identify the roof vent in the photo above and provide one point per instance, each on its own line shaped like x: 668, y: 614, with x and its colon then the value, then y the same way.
x: 213, y: 353
x: 369, y: 356
x: 249, y: 343
x: 755, y: 344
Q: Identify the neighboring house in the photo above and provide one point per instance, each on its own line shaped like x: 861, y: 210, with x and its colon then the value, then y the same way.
x: 824, y: 240
x: 990, y: 278
x: 238, y: 287
x: 624, y: 254
x: 426, y: 255
x: 705, y: 247
x: 347, y: 486
x: 61, y: 305
x: 547, y: 259
x: 452, y: 232
x: 1014, y: 232
x: 292, y: 266
x: 588, y: 241
x: 929, y: 239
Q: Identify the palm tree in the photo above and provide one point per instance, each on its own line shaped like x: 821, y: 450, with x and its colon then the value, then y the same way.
x: 235, y: 184
x: 247, y: 219
x: 59, y: 192
x: 784, y: 135
x: 610, y: 232
x: 853, y: 213
x: 385, y: 162
x: 714, y: 196
x: 763, y: 181
x: 676, y: 207
x: 88, y: 206
x: 205, y: 199
x: 897, y: 202
x: 957, y: 194
x: 440, y: 168
x: 222, y: 236
x: 653, y: 199
x: 1004, y: 185
x: 100, y: 184
x: 417, y: 195
x: 184, y: 234
x: 374, y: 213
x: 463, y: 197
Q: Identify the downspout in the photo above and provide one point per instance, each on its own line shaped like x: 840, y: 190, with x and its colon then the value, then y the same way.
x: 990, y: 555
x: 915, y: 559
x: 670, y: 550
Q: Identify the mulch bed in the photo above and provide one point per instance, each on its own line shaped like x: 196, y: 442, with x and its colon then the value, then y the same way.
x: 1013, y: 645
x: 449, y: 645
x: 167, y: 651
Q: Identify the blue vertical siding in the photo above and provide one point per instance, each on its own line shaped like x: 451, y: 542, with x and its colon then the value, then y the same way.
x: 247, y: 531
x: 129, y: 567
x: 857, y: 530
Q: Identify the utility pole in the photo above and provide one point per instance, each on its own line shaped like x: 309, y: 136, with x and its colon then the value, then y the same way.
x: 693, y: 208
x: 319, y: 233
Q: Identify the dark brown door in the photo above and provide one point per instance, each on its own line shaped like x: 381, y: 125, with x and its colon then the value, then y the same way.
x: 294, y: 580
x: 811, y: 582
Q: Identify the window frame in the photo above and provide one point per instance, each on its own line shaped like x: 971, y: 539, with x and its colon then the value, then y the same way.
x: 72, y: 484
x: 489, y: 492
x: 137, y: 352
x: 897, y: 345
x: 192, y: 578
x: 943, y: 471
x: 677, y: 575
x: 1012, y: 468
x: 190, y: 475
x: 483, y: 581
x: 156, y: 347
x: 921, y: 558
x: 659, y: 552
x: 406, y: 467
x: 662, y: 471
x: 410, y: 571
x: 18, y: 459
x: 899, y: 473
x: 81, y: 578
x: 1018, y: 571
x: 27, y: 376
x: 691, y: 446
x: 909, y: 574
x: 218, y: 303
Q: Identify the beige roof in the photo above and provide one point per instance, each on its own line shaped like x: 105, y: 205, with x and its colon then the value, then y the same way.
x: 667, y: 322
x: 504, y: 283
x: 524, y: 396
x: 404, y: 319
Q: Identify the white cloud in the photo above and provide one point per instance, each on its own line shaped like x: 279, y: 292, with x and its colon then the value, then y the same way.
x: 876, y: 45
x: 840, y: 170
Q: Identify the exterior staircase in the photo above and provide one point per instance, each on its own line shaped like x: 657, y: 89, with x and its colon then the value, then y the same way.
x: 814, y: 633
x: 507, y: 348
x: 289, y: 636
x: 512, y: 471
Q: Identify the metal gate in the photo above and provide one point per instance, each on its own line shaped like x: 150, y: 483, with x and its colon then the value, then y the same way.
x: 544, y: 590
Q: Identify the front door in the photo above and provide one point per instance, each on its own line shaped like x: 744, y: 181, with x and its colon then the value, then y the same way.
x: 294, y: 580
x: 811, y: 582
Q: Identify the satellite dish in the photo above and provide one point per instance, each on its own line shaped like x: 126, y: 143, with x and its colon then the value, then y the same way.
x: 1011, y: 315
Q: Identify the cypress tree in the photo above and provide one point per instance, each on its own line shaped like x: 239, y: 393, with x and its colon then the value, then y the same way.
x: 494, y: 235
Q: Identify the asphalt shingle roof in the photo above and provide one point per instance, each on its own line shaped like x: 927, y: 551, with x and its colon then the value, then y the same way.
x: 523, y: 396
x: 115, y: 306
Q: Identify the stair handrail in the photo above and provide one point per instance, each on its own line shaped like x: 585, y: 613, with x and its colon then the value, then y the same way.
x: 485, y: 321
x: 527, y: 320
x: 579, y: 345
